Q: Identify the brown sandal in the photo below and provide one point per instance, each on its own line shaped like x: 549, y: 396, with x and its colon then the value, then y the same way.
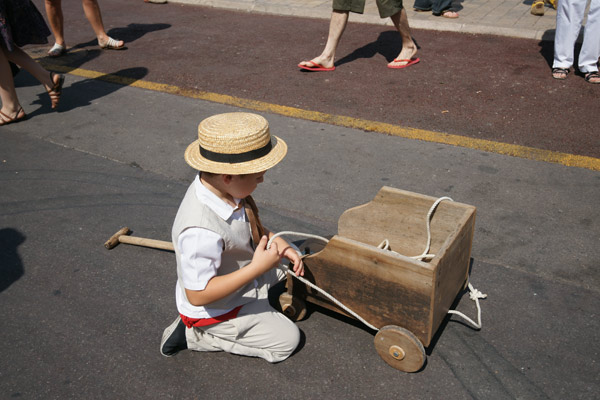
x: 6, y: 119
x: 56, y: 90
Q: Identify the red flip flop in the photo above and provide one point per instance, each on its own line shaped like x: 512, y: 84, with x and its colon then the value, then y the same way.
x: 410, y: 62
x: 315, y: 67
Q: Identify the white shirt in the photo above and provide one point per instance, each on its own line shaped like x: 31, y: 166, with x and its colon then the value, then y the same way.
x: 200, y: 253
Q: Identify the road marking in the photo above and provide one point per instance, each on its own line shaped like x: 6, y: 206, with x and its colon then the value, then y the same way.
x: 531, y: 153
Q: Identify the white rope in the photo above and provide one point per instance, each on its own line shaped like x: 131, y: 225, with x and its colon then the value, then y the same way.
x: 385, y: 245
x: 312, y: 285
x: 474, y: 294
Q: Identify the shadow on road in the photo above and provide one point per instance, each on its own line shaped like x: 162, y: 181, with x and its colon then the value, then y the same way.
x: 388, y: 44
x: 129, y: 34
x: 83, y: 93
x: 547, y: 48
x: 11, y: 267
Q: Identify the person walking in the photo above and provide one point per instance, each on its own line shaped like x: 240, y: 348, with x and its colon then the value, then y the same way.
x: 438, y: 8
x: 21, y: 23
x: 337, y: 25
x: 91, y: 10
x: 569, y: 16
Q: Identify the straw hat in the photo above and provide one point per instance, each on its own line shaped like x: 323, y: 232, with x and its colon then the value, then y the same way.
x: 235, y: 143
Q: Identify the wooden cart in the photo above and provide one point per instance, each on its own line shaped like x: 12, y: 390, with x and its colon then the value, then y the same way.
x: 404, y: 298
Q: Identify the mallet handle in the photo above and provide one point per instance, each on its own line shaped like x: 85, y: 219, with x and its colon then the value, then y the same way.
x: 138, y: 241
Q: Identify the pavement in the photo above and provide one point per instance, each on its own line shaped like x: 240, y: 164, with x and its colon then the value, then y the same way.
x: 79, y: 321
x: 495, y: 17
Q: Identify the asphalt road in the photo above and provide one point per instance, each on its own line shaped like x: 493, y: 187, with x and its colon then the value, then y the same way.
x: 80, y: 321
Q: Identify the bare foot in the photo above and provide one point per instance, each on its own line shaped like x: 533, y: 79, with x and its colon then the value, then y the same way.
x: 449, y: 14
x: 325, y: 62
x: 404, y: 58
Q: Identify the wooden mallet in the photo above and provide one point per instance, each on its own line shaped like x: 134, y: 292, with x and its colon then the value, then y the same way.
x: 122, y: 236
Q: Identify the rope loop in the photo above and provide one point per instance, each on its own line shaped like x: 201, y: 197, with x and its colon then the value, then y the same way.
x: 474, y: 295
x: 297, y: 234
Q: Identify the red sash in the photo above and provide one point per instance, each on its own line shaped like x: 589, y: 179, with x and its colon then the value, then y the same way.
x: 198, y: 322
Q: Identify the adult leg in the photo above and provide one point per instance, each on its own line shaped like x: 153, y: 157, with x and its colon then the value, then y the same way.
x: 56, y: 20
x: 423, y: 5
x: 337, y: 25
x: 10, y: 102
x: 24, y: 61
x: 92, y: 13
x: 590, y: 49
x: 52, y: 82
x: 569, y: 16
x: 409, y: 48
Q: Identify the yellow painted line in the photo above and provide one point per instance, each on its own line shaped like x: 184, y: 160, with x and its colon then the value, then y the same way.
x: 531, y: 153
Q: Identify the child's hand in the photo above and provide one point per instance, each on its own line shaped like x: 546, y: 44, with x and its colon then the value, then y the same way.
x: 264, y: 258
x: 293, y: 256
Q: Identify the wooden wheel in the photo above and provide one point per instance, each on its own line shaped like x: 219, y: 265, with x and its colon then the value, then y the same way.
x: 292, y: 307
x: 400, y: 348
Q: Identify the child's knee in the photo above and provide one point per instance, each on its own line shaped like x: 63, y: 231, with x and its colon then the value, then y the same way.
x: 286, y: 346
x: 287, y: 341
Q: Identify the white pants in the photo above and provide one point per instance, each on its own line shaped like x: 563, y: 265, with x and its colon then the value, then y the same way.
x: 258, y: 330
x: 569, y: 18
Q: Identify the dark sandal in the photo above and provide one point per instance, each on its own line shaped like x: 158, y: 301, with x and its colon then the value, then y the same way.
x: 592, y: 75
x: 563, y: 72
x: 6, y: 119
x: 56, y: 90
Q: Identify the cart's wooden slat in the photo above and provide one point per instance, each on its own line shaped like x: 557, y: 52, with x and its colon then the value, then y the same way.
x: 372, y: 283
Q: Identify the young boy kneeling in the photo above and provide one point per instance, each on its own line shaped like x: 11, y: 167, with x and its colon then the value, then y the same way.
x: 224, y: 269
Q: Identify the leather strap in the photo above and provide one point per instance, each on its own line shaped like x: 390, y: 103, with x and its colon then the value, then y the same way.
x: 256, y: 227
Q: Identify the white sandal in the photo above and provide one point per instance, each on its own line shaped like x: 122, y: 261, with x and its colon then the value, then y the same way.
x: 112, y: 44
x: 57, y: 50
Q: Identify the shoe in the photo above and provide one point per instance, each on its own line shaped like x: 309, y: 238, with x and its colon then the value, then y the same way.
x: 315, y: 67
x: 173, y: 339
x: 56, y: 90
x: 111, y: 44
x: 57, y: 50
x: 592, y: 77
x: 560, y: 73
x: 552, y: 3
x: 537, y: 8
x: 19, y: 116
x: 410, y: 62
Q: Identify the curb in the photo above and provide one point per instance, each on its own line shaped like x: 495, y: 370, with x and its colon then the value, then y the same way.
x: 417, y: 22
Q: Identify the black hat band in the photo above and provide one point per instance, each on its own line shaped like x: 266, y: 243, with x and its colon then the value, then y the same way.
x: 236, y: 158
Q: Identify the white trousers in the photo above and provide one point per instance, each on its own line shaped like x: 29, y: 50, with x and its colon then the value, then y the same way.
x: 569, y: 17
x: 258, y: 330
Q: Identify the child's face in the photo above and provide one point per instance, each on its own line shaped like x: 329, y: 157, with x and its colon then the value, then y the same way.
x: 243, y: 185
